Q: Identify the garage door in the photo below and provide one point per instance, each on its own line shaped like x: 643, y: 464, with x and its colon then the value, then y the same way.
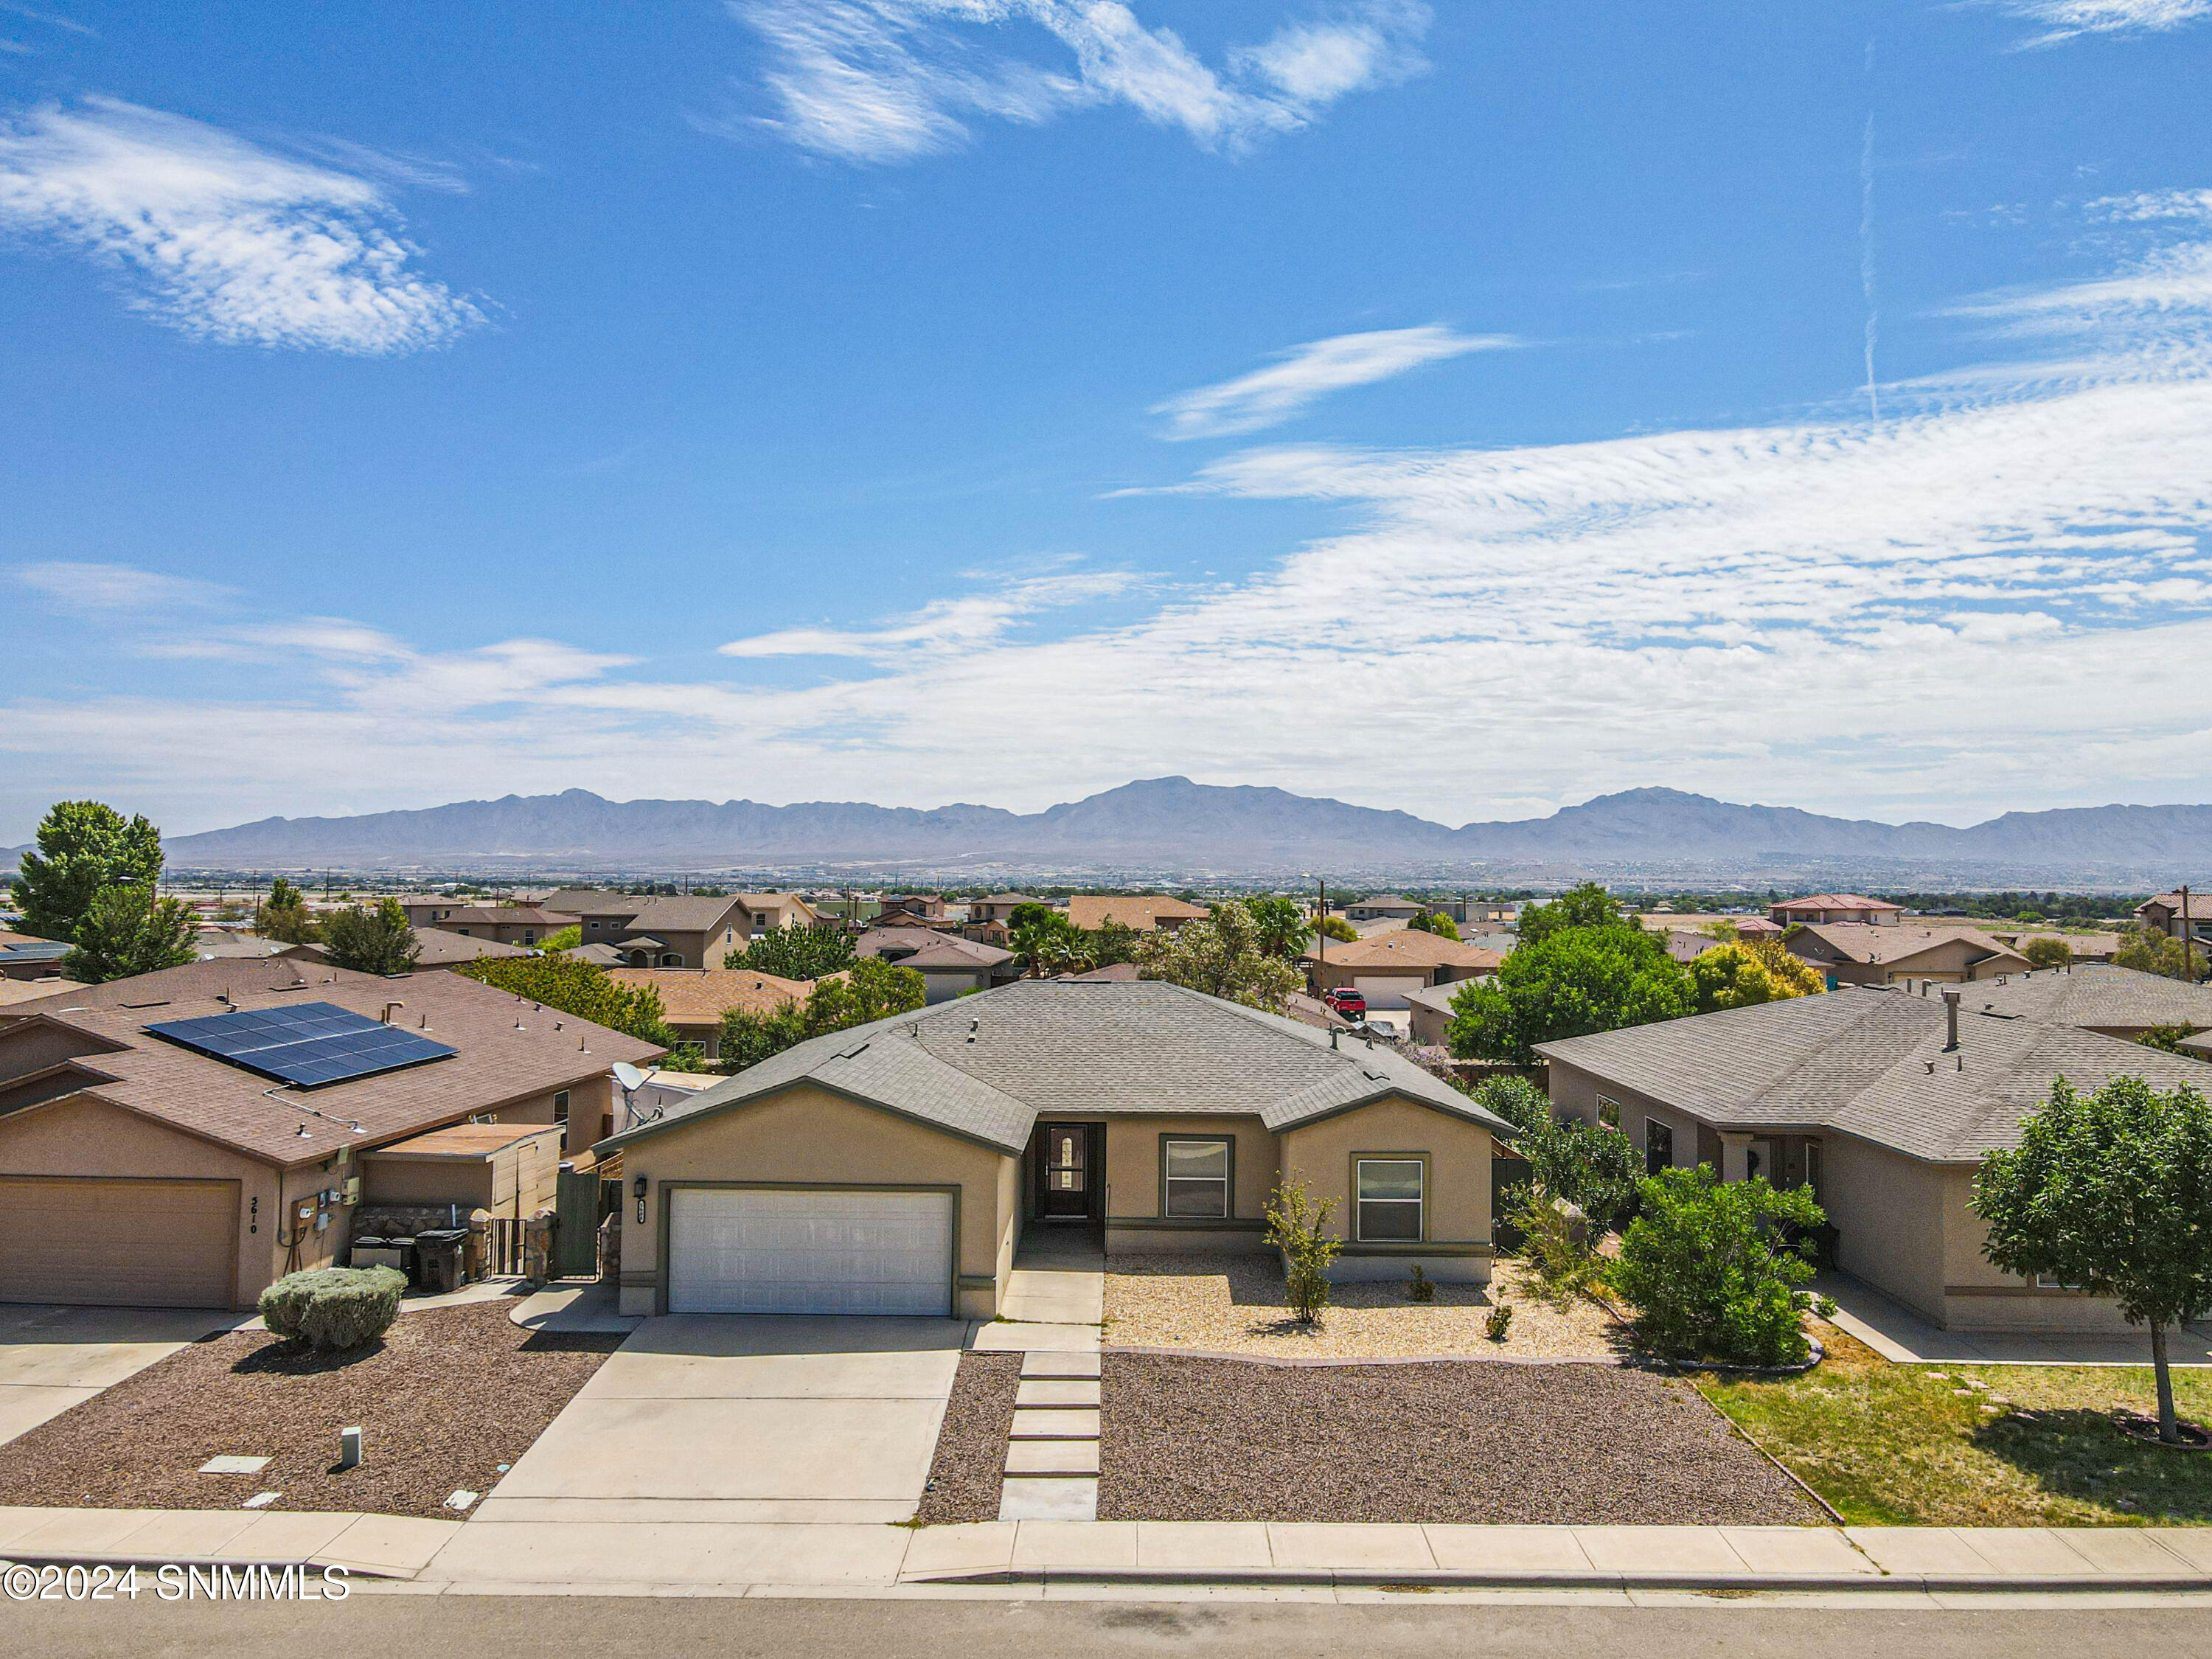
x: 118, y: 1243
x: 733, y: 1251
x: 1386, y: 990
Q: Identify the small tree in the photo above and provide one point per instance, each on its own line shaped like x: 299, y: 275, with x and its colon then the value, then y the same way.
x: 1435, y: 922
x: 871, y: 989
x: 2047, y: 953
x: 1706, y: 1265
x: 1046, y: 944
x: 568, y: 939
x: 1297, y: 1226
x: 80, y: 847
x: 2150, y: 952
x: 129, y: 931
x: 796, y: 952
x: 284, y: 915
x: 1746, y: 973
x: 1283, y: 926
x: 2111, y: 1192
x: 1338, y: 928
x: 1221, y: 956
x: 1110, y: 942
x: 371, y: 940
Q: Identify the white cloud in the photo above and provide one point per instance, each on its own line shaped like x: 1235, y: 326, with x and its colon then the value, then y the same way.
x: 1267, y: 397
x: 2068, y: 19
x: 109, y: 588
x: 892, y: 80
x: 220, y: 238
x: 943, y: 625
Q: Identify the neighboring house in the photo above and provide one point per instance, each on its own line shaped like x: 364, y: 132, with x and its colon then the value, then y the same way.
x: 1685, y: 947
x: 694, y: 999
x: 1114, y: 973
x: 520, y: 925
x: 769, y: 913
x: 1384, y: 968
x: 2119, y: 1002
x: 670, y: 932
x: 22, y: 957
x: 893, y: 1168
x: 926, y: 907
x: 13, y: 991
x: 2082, y: 947
x: 585, y: 901
x: 139, y: 1167
x: 2163, y: 915
x: 1883, y: 1103
x: 1864, y: 953
x: 999, y: 907
x: 1822, y: 907
x: 1431, y: 1010
x: 1148, y: 913
x: 1386, y: 906
x: 948, y: 964
x: 437, y: 947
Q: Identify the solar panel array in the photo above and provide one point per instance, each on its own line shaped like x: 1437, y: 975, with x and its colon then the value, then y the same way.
x: 309, y: 1044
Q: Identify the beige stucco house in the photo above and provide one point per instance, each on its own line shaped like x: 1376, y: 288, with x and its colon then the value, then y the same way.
x: 1863, y: 953
x: 135, y: 1170
x: 1883, y: 1101
x: 894, y: 1168
x: 1817, y: 909
x: 1386, y: 967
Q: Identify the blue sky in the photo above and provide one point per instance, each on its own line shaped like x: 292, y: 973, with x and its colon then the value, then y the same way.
x: 1467, y: 408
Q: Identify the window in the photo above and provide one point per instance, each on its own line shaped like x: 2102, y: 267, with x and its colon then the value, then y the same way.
x: 1196, y: 1178
x: 593, y: 926
x: 1609, y: 1112
x: 670, y: 959
x: 529, y: 936
x: 1658, y: 1145
x: 561, y: 1106
x: 2052, y: 1282
x: 1389, y: 1192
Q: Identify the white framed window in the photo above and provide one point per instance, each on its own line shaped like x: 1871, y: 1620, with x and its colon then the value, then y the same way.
x: 1195, y: 1178
x: 560, y: 1105
x: 1390, y: 1194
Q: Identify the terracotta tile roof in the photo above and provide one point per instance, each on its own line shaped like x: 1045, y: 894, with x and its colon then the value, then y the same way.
x: 1142, y: 911
x: 700, y: 996
x: 1836, y: 901
x: 1406, y: 949
x: 509, y: 1049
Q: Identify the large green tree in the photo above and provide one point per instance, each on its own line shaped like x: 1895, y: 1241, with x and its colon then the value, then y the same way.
x: 1587, y: 906
x: 575, y: 987
x: 2111, y: 1192
x: 81, y: 847
x: 1222, y: 956
x: 2150, y: 951
x: 371, y: 938
x: 796, y: 952
x: 1747, y: 972
x: 1284, y: 928
x: 871, y: 989
x: 1108, y: 943
x: 1437, y: 922
x: 128, y: 931
x: 1574, y: 980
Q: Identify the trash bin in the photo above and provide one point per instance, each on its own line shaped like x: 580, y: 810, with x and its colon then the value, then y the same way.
x: 377, y: 1253
x: 441, y: 1259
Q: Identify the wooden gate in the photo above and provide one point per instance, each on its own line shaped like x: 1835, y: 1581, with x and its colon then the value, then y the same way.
x: 576, y: 1234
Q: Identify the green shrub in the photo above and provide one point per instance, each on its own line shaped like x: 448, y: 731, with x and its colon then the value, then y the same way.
x: 1556, y: 1248
x: 1295, y: 1226
x: 1420, y: 1287
x: 1499, y: 1322
x: 335, y: 1308
x: 1706, y: 1266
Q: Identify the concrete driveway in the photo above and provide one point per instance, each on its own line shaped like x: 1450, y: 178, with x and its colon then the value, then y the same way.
x: 53, y: 1358
x: 731, y: 1418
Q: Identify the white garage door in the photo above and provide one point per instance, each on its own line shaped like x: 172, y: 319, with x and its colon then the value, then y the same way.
x: 736, y: 1251
x: 1385, y: 990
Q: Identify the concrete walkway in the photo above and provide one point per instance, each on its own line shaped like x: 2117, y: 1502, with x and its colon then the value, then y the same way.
x: 1056, y: 1304
x: 54, y: 1357
x: 1903, y: 1337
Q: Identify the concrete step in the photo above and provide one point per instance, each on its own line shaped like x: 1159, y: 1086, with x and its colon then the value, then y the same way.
x: 1040, y: 1363
x: 1057, y: 1391
x: 1048, y: 1498
x: 1055, y: 1423
x: 1052, y: 1457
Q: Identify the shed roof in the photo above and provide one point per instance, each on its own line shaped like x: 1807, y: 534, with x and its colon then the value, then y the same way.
x: 465, y: 1140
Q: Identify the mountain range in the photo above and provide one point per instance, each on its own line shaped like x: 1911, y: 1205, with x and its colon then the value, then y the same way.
x: 1167, y: 826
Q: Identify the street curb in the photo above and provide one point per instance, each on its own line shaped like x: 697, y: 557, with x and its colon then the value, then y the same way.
x: 1328, y: 1577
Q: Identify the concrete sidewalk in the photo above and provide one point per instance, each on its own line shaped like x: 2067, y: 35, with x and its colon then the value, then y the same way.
x: 387, y: 1546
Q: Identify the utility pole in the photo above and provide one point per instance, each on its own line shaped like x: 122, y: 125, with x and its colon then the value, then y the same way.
x: 1321, y: 916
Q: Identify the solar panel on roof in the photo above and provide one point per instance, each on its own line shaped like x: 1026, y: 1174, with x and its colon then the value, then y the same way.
x: 311, y: 1044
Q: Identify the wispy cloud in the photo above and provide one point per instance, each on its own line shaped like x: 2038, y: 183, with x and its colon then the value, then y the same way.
x: 52, y: 19
x: 108, y: 588
x: 943, y: 625
x: 891, y: 80
x: 1267, y: 397
x: 218, y: 238
x: 2068, y: 19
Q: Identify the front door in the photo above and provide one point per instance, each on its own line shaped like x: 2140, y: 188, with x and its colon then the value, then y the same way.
x: 1067, y: 1173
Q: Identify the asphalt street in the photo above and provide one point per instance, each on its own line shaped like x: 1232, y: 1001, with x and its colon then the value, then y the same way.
x: 652, y: 1628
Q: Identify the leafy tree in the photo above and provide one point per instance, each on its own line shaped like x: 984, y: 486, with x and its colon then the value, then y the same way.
x: 1593, y: 1168
x: 1047, y: 944
x: 81, y: 847
x: 570, y: 938
x: 1741, y: 975
x: 1222, y: 956
x: 1516, y: 1100
x: 128, y: 931
x: 1298, y: 1227
x: 2047, y: 953
x: 1283, y: 927
x: 284, y: 915
x: 1706, y: 1265
x: 578, y: 987
x: 796, y: 952
x: 1587, y: 906
x: 1023, y: 915
x: 372, y: 940
x: 1110, y: 942
x: 2112, y: 1192
x: 1571, y: 982
x: 2150, y: 952
x: 1338, y: 928
x: 871, y: 989
x: 1435, y: 922
x: 2165, y: 1038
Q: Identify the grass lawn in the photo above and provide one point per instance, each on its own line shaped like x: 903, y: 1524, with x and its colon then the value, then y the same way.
x: 1918, y: 1446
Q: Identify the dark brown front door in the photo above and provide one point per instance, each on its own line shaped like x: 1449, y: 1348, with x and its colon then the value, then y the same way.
x: 1067, y: 1173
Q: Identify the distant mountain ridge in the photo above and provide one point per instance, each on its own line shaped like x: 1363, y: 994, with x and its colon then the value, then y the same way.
x: 1173, y: 823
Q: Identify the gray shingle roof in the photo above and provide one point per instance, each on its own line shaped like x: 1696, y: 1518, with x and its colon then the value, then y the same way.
x: 2095, y: 996
x: 1868, y: 1063
x: 989, y: 1065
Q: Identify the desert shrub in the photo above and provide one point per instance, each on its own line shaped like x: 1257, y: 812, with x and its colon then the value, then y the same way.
x: 1296, y: 1226
x: 1420, y: 1287
x: 1498, y: 1323
x: 1709, y: 1268
x: 1562, y: 1262
x: 334, y: 1308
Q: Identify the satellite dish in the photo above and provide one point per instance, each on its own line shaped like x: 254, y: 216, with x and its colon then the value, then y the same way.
x: 628, y: 1076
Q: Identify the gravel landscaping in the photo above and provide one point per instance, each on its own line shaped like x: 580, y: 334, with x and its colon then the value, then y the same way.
x: 971, y: 1446
x: 446, y: 1398
x: 1234, y: 1304
x: 1189, y: 1439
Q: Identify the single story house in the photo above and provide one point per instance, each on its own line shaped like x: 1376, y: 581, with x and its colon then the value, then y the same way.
x: 892, y: 1169
x: 1883, y: 1102
x: 1865, y: 953
x: 1148, y: 913
x: 694, y: 999
x: 1384, y: 968
x: 184, y: 1138
x: 2164, y: 914
x: 669, y: 932
x: 438, y: 947
x: 2081, y: 947
x: 949, y: 966
x: 1430, y: 1011
x: 1385, y: 907
x: 1823, y: 907
x: 2121, y: 1002
x: 22, y: 957
x: 519, y: 925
